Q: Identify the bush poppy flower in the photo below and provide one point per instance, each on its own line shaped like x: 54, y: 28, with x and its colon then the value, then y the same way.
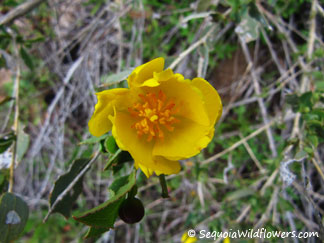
x: 160, y: 119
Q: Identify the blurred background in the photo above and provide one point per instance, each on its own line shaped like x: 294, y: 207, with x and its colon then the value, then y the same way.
x: 264, y: 166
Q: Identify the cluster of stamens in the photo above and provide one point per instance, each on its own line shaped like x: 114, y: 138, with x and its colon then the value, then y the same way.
x: 154, y: 114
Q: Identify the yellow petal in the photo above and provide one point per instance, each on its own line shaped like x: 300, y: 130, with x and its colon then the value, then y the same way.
x: 161, y: 77
x: 165, y: 166
x: 213, y: 103
x: 145, y: 72
x: 145, y: 170
x: 140, y: 149
x: 186, y: 239
x: 161, y: 166
x: 227, y: 240
x: 186, y: 140
x: 152, y: 82
x: 99, y: 123
x: 187, y: 97
x: 164, y: 75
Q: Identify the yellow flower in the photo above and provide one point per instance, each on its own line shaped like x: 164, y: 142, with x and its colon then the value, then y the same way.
x: 160, y: 119
x: 185, y: 238
x: 227, y: 240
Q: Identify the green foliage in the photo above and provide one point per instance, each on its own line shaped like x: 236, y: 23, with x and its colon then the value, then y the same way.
x: 110, y: 145
x: 104, y: 216
x: 239, y: 8
x: 6, y: 141
x: 117, y: 157
x: 286, y: 8
x: 4, y: 180
x: 13, y: 216
x: 27, y: 58
x: 310, y: 105
x: 65, y: 204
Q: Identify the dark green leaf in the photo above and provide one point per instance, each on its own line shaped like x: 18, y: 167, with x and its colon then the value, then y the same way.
x: 27, y: 58
x: 13, y: 216
x: 116, y: 160
x: 6, y: 141
x: 111, y: 159
x: 293, y: 101
x: 95, y: 232
x: 35, y: 40
x: 65, y: 205
x: 319, y: 112
x: 104, y: 215
x: 306, y: 99
x: 4, y: 180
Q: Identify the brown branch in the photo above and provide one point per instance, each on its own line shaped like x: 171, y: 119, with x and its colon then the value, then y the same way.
x: 19, y: 11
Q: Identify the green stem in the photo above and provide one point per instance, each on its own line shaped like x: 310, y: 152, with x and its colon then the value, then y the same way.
x: 132, y: 193
x: 165, y: 193
x: 14, y: 152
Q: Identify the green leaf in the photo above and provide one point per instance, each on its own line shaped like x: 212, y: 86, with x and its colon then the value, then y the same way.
x: 306, y: 99
x: 248, y: 29
x: 309, y: 150
x: 4, y: 180
x: 13, y: 216
x: 65, y: 205
x: 116, y: 160
x: 104, y: 215
x: 95, y: 232
x: 320, y: 85
x: 239, y: 194
x: 27, y: 58
x: 22, y: 142
x: 203, y: 5
x: 293, y: 100
x: 111, y: 159
x: 110, y: 145
x: 117, y: 184
x: 6, y: 141
x: 319, y: 112
x: 300, y: 155
x: 116, y: 78
x: 313, y: 140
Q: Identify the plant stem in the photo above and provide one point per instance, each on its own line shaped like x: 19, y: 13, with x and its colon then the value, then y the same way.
x: 14, y: 152
x: 165, y: 193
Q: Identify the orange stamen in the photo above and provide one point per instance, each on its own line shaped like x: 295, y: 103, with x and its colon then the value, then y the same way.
x: 154, y: 115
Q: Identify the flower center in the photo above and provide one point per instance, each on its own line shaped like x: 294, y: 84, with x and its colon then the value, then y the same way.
x: 154, y: 114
